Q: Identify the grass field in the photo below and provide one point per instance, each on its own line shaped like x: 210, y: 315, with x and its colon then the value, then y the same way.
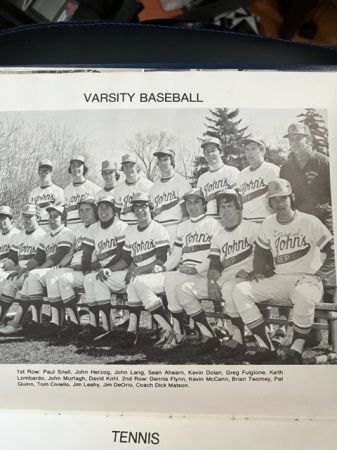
x: 34, y: 350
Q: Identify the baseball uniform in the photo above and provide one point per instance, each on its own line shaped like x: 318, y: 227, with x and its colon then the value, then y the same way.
x: 44, y: 197
x: 122, y: 195
x: 253, y: 186
x: 212, y: 182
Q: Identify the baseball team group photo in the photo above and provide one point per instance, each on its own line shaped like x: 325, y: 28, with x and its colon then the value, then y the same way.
x: 200, y: 236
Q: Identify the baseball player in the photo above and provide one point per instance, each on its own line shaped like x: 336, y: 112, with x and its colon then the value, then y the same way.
x: 308, y: 172
x: 47, y: 194
x: 167, y: 194
x: 296, y: 240
x: 55, y: 249
x: 124, y: 191
x: 7, y: 233
x: 23, y: 248
x: 110, y: 176
x: 77, y: 190
x: 253, y: 181
x: 146, y: 246
x: 190, y: 256
x: 220, y: 176
x: 106, y: 238
x: 231, y: 262
x: 61, y: 283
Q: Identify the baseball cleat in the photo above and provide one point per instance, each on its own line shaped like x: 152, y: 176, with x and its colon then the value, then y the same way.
x: 263, y: 356
x: 278, y: 338
x: 293, y: 357
x: 7, y: 330
x: 232, y: 351
x: 129, y: 339
x: 221, y: 333
x: 70, y: 329
x: 32, y: 328
x: 50, y: 330
x: 208, y: 345
x: 173, y: 341
x: 163, y: 338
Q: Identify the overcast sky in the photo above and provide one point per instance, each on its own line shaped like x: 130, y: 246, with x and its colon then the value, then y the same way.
x: 108, y: 130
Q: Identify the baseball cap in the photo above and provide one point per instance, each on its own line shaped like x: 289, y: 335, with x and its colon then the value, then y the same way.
x: 87, y: 199
x: 140, y: 197
x: 108, y: 165
x: 6, y: 210
x: 77, y: 158
x: 195, y: 191
x: 279, y: 188
x: 106, y: 199
x: 255, y: 139
x: 129, y: 158
x: 210, y: 140
x: 30, y: 209
x: 59, y: 208
x: 46, y: 163
x: 165, y: 151
x: 298, y: 128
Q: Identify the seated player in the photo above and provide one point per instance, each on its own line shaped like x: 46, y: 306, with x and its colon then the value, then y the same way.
x: 189, y: 256
x: 146, y: 246
x: 167, y: 194
x: 55, y: 249
x: 296, y: 240
x: 23, y: 248
x: 61, y: 283
x: 7, y: 233
x: 231, y: 261
x: 106, y: 239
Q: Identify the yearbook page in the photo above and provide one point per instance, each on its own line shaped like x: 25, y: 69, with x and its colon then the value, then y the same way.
x: 220, y: 167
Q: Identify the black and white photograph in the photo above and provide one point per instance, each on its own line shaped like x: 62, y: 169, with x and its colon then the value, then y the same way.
x: 167, y: 236
x: 167, y: 242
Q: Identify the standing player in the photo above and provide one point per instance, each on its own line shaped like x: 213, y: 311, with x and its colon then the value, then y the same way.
x: 106, y: 238
x: 23, y: 248
x: 190, y: 256
x: 146, y: 246
x: 78, y: 189
x: 253, y: 182
x: 61, y: 283
x: 296, y: 241
x: 231, y: 262
x: 47, y: 194
x: 124, y: 191
x: 167, y: 194
x: 254, y: 179
x: 55, y: 249
x: 220, y: 176
x: 110, y: 176
x: 7, y: 233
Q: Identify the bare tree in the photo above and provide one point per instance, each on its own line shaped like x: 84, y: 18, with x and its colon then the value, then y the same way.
x: 144, y: 145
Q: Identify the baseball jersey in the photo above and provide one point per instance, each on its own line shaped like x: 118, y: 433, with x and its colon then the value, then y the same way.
x: 44, y: 197
x: 235, y: 248
x: 25, y: 244
x: 310, y: 184
x: 253, y: 185
x: 6, y: 242
x: 122, y: 195
x: 104, y: 191
x: 295, y: 246
x: 193, y: 243
x: 212, y: 182
x: 142, y: 245
x: 80, y: 236
x: 105, y: 241
x: 62, y: 237
x: 72, y: 195
x: 167, y: 197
